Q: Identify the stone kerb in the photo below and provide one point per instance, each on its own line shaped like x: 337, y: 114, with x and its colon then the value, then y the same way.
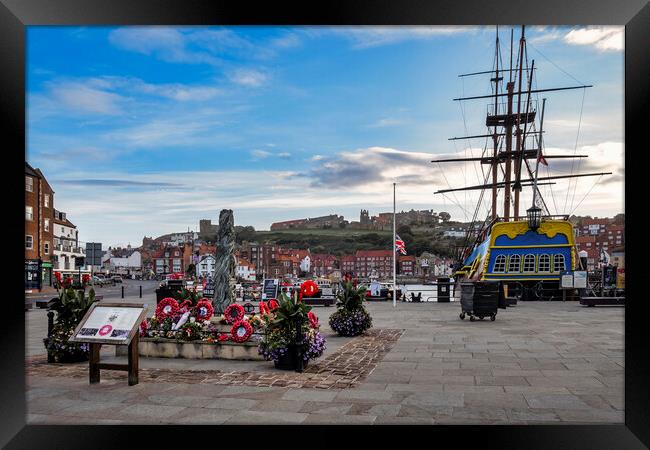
x: 169, y: 348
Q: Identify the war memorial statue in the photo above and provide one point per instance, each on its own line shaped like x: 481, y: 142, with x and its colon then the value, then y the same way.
x: 224, y: 262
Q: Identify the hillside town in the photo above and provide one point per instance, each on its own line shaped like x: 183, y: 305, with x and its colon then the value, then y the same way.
x: 52, y: 245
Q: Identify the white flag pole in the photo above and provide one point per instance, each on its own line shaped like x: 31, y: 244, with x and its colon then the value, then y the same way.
x: 394, y: 254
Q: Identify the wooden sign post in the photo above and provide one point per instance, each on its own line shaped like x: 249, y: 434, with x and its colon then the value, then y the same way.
x: 113, y: 324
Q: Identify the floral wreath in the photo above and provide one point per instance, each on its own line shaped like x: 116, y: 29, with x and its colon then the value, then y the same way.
x: 168, y: 307
x: 185, y: 305
x: 144, y: 326
x: 204, y: 309
x: 234, y: 313
x: 313, y: 320
x: 264, y: 308
x: 241, y: 331
x: 308, y: 288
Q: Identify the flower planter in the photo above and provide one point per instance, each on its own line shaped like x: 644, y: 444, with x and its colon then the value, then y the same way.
x: 289, y: 361
x: 171, y: 348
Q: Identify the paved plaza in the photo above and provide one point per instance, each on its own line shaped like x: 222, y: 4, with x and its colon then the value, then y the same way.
x: 538, y: 363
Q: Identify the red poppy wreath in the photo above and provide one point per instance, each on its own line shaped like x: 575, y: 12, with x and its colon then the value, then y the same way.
x: 241, y: 331
x: 168, y: 307
x: 234, y: 313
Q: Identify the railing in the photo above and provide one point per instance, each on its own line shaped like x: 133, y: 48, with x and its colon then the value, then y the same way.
x: 70, y: 249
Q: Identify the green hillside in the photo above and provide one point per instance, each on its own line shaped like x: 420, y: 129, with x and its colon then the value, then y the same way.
x: 345, y: 241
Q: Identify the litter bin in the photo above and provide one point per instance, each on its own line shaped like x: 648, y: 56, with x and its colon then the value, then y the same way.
x: 444, y: 288
x: 480, y: 299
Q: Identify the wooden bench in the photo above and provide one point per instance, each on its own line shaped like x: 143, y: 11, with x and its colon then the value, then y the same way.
x: 593, y: 301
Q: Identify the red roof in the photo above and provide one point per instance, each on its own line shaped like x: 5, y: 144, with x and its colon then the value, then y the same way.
x: 367, y: 253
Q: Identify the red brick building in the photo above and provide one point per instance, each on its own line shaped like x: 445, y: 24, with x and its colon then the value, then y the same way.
x: 348, y: 264
x: 168, y: 259
x: 288, y: 224
x: 323, y: 264
x: 407, y: 265
x: 374, y: 262
x: 39, y: 227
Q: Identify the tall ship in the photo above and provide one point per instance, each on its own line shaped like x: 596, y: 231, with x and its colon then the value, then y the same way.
x: 526, y: 249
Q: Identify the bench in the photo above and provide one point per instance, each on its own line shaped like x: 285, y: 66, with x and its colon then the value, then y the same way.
x: 593, y: 301
x: 322, y: 301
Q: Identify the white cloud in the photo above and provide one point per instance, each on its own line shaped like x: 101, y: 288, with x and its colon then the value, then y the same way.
x: 289, y: 40
x: 284, y: 155
x: 387, y: 122
x: 247, y: 77
x: 167, y: 44
x: 603, y: 38
x: 363, y: 37
x: 81, y: 97
x: 261, y: 154
x: 316, y: 158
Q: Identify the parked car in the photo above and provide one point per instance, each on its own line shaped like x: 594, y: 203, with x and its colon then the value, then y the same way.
x: 116, y: 279
x: 97, y: 281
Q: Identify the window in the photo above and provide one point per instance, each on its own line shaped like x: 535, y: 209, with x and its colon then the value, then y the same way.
x: 46, y: 200
x: 514, y: 263
x: 544, y: 263
x: 47, y: 225
x: 529, y: 263
x: 29, y: 213
x: 500, y: 264
x: 29, y: 242
x: 29, y: 184
x: 558, y: 263
x: 46, y: 248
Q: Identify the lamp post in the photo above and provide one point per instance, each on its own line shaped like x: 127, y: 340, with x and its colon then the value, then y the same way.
x: 534, y: 217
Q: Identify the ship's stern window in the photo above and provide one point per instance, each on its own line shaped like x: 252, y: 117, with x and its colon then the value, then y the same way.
x: 558, y: 263
x: 500, y: 264
x: 544, y: 263
x: 514, y: 263
x: 529, y: 263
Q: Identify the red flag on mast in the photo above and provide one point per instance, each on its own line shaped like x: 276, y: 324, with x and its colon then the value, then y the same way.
x: 541, y: 159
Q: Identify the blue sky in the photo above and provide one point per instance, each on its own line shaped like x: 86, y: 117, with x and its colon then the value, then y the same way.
x: 146, y: 130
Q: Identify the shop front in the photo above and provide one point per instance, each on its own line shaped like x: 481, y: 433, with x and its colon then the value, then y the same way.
x: 32, y: 274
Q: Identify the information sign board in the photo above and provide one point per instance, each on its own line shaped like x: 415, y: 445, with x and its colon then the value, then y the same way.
x: 566, y: 280
x: 32, y: 274
x: 208, y: 290
x: 270, y: 288
x: 110, y: 323
x: 580, y: 279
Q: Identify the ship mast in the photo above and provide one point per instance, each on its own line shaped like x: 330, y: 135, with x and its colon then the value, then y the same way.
x: 509, y: 124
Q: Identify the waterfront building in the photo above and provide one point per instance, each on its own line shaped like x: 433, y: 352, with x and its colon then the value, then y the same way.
x: 66, y: 249
x: 39, y: 222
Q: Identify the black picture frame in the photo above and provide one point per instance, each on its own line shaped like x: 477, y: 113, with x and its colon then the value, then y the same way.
x: 15, y: 15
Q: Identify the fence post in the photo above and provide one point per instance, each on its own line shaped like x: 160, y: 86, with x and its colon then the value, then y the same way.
x: 122, y: 291
x: 140, y: 291
x: 50, y: 325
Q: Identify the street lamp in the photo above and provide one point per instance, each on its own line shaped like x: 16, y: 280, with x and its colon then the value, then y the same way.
x: 534, y: 217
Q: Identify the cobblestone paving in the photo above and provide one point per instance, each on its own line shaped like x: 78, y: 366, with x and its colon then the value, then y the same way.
x: 538, y: 363
x: 345, y: 368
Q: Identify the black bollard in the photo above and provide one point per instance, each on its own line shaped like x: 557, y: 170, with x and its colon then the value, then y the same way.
x: 50, y: 325
x: 122, y: 291
x: 140, y: 291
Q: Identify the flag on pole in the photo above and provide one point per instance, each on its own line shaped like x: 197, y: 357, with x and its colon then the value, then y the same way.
x: 541, y: 158
x: 399, y: 245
